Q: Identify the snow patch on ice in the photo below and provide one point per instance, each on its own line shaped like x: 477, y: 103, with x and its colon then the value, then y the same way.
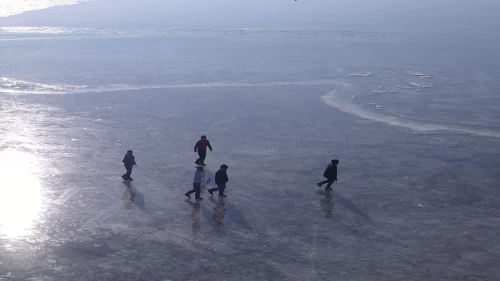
x: 343, y: 103
x: 361, y: 74
x: 418, y: 74
x: 378, y: 91
x: 16, y: 86
x: 51, y: 30
x: 421, y: 85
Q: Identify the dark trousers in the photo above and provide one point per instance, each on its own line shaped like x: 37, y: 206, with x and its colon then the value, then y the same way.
x: 127, y: 175
x: 196, y: 190
x: 220, y: 187
x: 203, y: 155
x: 329, y: 181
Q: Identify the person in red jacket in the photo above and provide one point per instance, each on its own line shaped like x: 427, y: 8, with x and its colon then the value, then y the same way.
x: 201, y: 148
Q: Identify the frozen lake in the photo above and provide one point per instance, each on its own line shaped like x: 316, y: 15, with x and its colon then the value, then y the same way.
x: 412, y: 117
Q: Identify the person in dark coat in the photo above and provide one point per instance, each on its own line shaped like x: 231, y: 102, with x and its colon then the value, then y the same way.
x: 221, y: 179
x: 330, y: 174
x: 201, y: 148
x: 129, y: 163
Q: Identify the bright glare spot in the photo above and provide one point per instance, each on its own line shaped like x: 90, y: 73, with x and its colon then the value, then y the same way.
x: 21, y: 194
x: 12, y: 7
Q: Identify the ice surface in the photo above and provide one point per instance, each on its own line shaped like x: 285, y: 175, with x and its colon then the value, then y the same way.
x: 417, y: 196
x: 419, y: 74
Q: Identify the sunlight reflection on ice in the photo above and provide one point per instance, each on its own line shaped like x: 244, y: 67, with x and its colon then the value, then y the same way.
x: 21, y: 193
x: 12, y: 7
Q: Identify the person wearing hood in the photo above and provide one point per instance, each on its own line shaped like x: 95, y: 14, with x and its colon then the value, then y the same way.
x: 201, y: 148
x: 330, y: 174
x: 221, y: 179
x: 197, y: 179
x: 129, y: 163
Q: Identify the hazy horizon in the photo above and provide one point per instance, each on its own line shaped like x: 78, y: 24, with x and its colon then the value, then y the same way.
x: 389, y: 14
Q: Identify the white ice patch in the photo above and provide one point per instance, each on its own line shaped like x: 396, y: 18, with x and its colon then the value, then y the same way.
x: 405, y: 87
x: 421, y: 85
x: 419, y: 74
x: 13, y: 7
x: 16, y: 86
x: 57, y: 30
x: 416, y: 73
x: 379, y: 91
x: 344, y: 104
x: 361, y: 74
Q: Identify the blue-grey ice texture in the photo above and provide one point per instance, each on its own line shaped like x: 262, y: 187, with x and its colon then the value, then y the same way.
x: 413, y: 118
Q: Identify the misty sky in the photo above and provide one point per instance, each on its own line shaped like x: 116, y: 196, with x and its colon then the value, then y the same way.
x: 393, y: 14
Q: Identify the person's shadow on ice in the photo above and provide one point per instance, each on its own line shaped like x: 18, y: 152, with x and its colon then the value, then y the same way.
x: 195, y: 215
x: 327, y: 203
x: 132, y: 196
x: 219, y: 211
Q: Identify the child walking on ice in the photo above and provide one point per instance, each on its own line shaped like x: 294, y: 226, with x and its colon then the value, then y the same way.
x: 129, y: 163
x: 330, y: 174
x: 220, y: 180
x: 199, y: 174
x: 201, y: 148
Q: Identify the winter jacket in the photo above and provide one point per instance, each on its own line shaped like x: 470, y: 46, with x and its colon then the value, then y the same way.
x: 202, y: 145
x: 129, y: 160
x: 330, y: 172
x: 221, y: 177
x: 197, y: 176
